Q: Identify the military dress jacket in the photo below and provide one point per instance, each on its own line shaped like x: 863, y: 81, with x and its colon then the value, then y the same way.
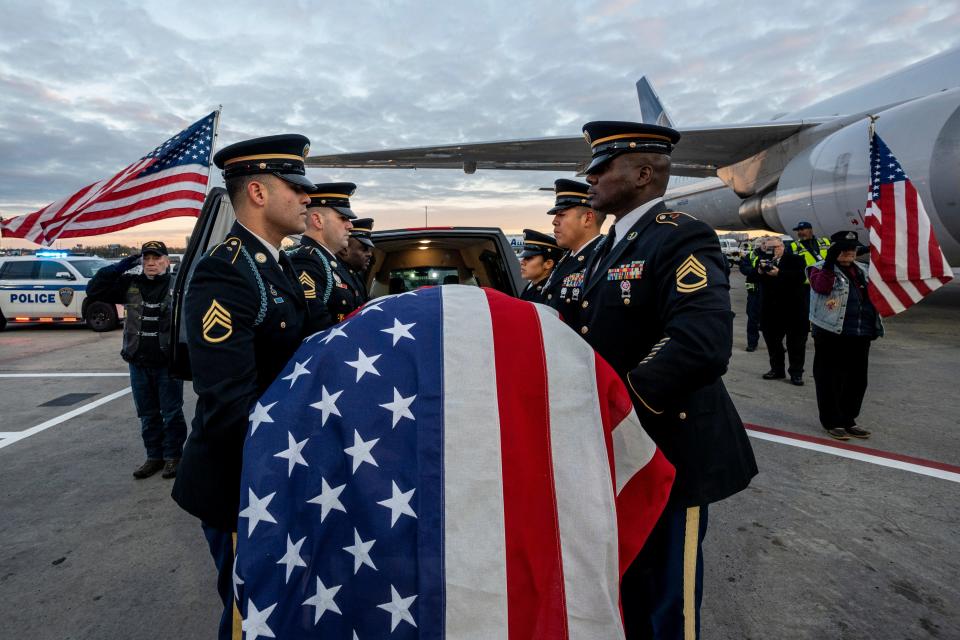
x: 564, y: 288
x: 657, y: 308
x: 244, y: 318
x: 534, y: 292
x: 329, y: 288
x: 357, y: 282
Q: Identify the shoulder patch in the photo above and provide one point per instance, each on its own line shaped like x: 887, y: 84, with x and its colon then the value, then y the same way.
x: 228, y: 249
x: 217, y: 324
x: 309, y: 286
x: 691, y: 275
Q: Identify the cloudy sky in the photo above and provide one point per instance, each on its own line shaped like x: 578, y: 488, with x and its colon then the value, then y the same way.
x: 88, y: 87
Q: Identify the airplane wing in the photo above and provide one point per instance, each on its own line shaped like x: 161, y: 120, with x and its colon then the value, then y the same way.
x: 700, y: 152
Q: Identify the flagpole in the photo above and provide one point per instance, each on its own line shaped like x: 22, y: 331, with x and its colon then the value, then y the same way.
x: 213, y: 143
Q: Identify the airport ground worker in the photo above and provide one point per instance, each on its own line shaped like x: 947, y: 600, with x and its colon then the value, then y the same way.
x: 845, y: 323
x: 157, y: 395
x: 657, y: 308
x: 748, y: 266
x: 244, y: 315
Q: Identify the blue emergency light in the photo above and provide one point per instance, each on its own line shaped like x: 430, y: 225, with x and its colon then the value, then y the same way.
x: 52, y: 253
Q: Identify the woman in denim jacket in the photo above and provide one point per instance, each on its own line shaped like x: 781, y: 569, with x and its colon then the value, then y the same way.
x: 845, y: 322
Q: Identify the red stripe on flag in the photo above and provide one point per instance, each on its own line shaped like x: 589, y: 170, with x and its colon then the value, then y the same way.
x: 138, y: 205
x: 887, y: 266
x: 110, y: 228
x: 913, y: 231
x: 535, y: 594
x: 126, y: 192
x: 644, y: 497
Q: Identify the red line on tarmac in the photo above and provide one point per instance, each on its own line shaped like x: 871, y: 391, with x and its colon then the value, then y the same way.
x: 930, y: 464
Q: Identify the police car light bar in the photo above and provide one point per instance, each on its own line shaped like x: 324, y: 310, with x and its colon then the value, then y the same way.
x: 52, y: 253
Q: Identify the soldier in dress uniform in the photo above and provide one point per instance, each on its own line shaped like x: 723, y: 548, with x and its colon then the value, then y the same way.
x: 327, y: 284
x: 244, y: 314
x: 576, y: 228
x: 540, y: 254
x: 358, y: 255
x: 657, y: 308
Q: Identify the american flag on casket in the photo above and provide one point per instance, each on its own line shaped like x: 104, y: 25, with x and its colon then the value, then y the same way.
x: 447, y: 463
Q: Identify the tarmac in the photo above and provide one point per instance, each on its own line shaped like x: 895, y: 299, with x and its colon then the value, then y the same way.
x: 827, y: 542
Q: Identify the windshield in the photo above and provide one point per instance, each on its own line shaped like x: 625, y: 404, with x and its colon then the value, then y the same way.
x: 89, y: 267
x: 422, y: 277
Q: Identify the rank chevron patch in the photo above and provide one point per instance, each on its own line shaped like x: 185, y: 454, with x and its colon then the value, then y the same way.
x: 216, y: 316
x: 309, y: 286
x: 691, y: 275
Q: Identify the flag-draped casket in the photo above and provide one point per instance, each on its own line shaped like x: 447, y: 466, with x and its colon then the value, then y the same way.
x: 447, y: 463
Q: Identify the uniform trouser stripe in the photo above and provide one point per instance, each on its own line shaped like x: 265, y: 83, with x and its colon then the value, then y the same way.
x: 690, y: 547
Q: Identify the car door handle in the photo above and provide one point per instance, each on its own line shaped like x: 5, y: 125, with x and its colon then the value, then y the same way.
x: 38, y: 286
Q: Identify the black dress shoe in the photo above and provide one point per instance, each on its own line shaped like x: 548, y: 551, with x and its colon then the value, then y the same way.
x: 751, y: 348
x: 774, y: 375
x: 148, y: 468
x: 796, y: 380
x: 170, y: 468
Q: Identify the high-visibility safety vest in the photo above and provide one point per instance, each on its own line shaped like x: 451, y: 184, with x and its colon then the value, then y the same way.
x: 810, y: 259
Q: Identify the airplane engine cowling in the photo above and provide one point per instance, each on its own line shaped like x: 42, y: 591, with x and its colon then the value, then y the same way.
x: 827, y: 183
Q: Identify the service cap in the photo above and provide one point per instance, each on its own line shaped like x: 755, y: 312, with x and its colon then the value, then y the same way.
x: 803, y: 224
x: 335, y: 195
x: 362, y: 229
x: 540, y: 244
x: 610, y: 138
x: 280, y: 155
x: 570, y: 193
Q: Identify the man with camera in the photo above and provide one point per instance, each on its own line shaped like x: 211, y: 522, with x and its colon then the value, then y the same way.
x: 783, y: 309
x: 157, y: 395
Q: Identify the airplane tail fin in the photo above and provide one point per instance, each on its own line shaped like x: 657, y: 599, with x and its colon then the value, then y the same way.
x: 651, y: 110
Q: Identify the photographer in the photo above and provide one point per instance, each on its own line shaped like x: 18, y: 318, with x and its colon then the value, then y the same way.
x: 783, y: 309
x: 845, y: 322
x: 158, y: 397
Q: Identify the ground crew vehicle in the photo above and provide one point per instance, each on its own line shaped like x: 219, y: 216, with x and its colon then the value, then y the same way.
x: 51, y: 288
x: 731, y: 249
x: 403, y: 259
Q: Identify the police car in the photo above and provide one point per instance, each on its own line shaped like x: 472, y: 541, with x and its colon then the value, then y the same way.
x: 51, y: 287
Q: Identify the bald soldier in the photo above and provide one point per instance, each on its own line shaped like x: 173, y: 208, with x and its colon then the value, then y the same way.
x: 657, y: 308
x: 326, y: 281
x: 576, y: 227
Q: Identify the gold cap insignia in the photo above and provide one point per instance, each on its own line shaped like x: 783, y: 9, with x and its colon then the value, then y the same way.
x: 262, y: 165
x: 306, y: 150
x: 691, y: 275
x: 586, y: 136
x: 217, y: 317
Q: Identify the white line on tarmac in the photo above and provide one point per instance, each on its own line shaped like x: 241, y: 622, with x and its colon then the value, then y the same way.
x: 856, y: 455
x: 43, y: 426
x: 65, y: 375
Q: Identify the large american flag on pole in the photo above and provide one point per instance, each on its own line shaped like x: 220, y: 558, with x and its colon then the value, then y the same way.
x: 906, y: 263
x: 169, y: 181
x: 447, y: 463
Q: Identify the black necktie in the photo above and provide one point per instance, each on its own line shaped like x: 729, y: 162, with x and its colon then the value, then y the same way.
x: 607, y: 247
x: 287, y: 267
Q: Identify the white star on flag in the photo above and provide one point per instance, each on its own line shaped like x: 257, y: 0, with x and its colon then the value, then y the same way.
x: 293, y: 453
x: 292, y: 557
x: 399, y: 330
x: 360, y: 551
x: 255, y: 624
x: 360, y: 451
x: 364, y: 364
x: 299, y: 369
x: 256, y: 510
x: 373, y: 306
x: 400, y: 407
x: 329, y: 499
x: 323, y: 600
x: 259, y: 415
x: 236, y: 580
x: 398, y: 503
x: 327, y: 404
x: 399, y: 609
x: 334, y: 332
